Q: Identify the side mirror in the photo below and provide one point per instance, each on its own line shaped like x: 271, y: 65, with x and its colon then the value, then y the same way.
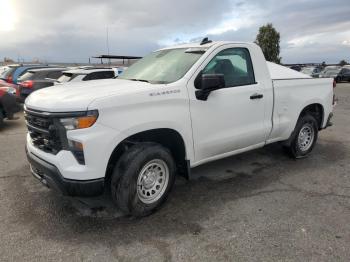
x: 206, y: 83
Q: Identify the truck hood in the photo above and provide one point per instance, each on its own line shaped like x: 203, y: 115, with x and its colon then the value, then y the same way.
x: 77, y: 96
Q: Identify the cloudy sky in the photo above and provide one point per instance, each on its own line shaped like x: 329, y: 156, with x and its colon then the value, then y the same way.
x: 73, y: 30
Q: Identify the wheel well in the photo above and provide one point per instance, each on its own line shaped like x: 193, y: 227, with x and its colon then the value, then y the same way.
x: 316, y: 110
x: 168, y: 138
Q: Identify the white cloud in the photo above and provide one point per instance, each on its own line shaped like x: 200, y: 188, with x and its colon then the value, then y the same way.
x: 8, y: 16
x: 300, y: 42
x: 242, y: 16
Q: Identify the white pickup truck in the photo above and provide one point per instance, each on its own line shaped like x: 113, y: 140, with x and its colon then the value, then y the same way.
x: 177, y: 108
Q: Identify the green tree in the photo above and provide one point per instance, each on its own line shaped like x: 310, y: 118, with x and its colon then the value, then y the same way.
x: 343, y: 63
x: 269, y: 41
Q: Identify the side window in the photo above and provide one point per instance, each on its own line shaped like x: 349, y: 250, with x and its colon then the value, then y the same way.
x: 236, y: 66
x: 39, y: 75
x: 88, y: 77
x: 91, y: 76
x: 107, y: 74
x: 346, y: 71
x: 54, y: 74
x: 99, y: 75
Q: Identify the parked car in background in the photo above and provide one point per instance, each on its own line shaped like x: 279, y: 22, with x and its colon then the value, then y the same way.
x: 86, y: 74
x: 312, y: 71
x: 296, y: 67
x: 343, y: 75
x: 8, y: 105
x: 3, y: 68
x: 10, y: 88
x: 119, y: 70
x: 12, y: 74
x: 35, y: 79
x: 330, y: 72
x: 6, y: 74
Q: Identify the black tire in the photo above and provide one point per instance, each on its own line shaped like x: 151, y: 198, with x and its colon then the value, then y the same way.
x: 1, y: 118
x: 124, y: 189
x: 296, y: 148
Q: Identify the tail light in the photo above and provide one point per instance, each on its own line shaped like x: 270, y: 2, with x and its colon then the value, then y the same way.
x: 27, y: 84
x: 334, y: 84
x: 9, y: 79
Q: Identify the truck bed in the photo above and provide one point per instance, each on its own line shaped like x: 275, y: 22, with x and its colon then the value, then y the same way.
x: 282, y: 72
x: 292, y: 94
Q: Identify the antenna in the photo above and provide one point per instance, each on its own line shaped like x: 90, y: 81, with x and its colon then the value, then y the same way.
x: 205, y: 41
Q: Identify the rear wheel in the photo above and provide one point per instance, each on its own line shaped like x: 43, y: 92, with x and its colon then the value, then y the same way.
x: 304, y: 136
x: 142, y: 179
x: 1, y: 118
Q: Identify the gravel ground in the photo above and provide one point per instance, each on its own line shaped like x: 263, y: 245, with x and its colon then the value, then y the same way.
x: 258, y: 206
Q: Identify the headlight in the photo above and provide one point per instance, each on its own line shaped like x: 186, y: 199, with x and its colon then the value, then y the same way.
x: 11, y: 90
x: 80, y: 122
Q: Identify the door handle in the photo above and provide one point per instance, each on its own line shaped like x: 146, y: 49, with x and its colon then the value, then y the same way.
x: 256, y: 96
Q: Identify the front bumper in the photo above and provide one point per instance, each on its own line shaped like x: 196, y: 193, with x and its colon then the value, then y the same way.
x: 50, y: 176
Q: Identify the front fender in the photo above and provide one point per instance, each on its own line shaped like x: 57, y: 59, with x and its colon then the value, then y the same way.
x: 187, y: 138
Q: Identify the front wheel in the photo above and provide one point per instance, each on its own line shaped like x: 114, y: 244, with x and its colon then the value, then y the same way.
x: 142, y: 179
x: 1, y: 118
x: 304, y: 137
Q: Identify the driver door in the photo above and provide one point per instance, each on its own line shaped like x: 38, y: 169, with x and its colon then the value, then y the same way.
x: 232, y: 118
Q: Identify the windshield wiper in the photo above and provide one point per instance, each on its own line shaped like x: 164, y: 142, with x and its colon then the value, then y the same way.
x: 195, y: 52
x: 140, y: 80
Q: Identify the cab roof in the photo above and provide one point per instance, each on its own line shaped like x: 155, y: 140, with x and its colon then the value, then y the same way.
x: 86, y: 71
x: 204, y: 46
x: 47, y: 69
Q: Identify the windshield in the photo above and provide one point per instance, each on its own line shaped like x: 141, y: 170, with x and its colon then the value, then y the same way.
x: 8, y: 72
x: 66, y: 77
x: 164, y: 66
x: 26, y: 76
x: 330, y: 72
x: 307, y: 70
x: 3, y: 69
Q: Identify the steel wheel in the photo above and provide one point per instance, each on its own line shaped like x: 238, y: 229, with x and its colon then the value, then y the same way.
x: 306, y: 137
x: 152, y: 181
